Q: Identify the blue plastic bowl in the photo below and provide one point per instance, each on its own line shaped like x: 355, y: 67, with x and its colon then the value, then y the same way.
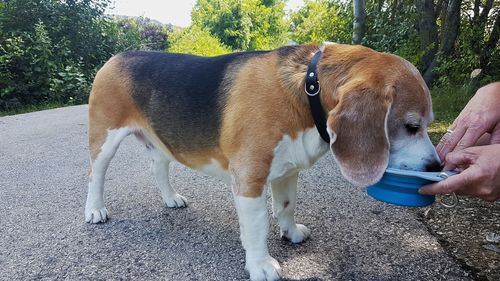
x: 400, y: 187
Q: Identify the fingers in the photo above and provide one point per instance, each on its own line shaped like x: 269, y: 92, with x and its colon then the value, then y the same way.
x: 458, y: 159
x: 456, y: 183
x: 459, y: 184
x: 495, y: 135
x: 470, y: 137
x: 449, y: 141
x: 465, y: 183
x: 463, y: 135
x: 483, y: 140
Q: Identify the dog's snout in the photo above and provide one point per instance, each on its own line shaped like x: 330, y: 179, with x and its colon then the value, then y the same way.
x: 434, y: 166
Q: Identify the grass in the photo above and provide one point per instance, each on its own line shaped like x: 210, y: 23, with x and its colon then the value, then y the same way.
x: 447, y: 104
x: 32, y: 108
x: 437, y: 130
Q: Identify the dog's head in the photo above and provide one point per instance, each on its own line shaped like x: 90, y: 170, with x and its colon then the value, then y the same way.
x: 381, y: 109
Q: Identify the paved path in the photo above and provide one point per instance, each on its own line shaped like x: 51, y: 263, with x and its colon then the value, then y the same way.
x: 43, y: 184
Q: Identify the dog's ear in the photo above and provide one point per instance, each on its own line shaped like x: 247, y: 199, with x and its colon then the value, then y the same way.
x: 358, y: 133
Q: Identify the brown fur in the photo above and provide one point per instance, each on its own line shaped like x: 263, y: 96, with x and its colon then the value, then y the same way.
x: 110, y: 106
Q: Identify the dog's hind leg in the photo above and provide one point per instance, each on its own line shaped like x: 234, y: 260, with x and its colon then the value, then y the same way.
x: 160, y: 167
x: 101, y: 154
x: 284, y: 193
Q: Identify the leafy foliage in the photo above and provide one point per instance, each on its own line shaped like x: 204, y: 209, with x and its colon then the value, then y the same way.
x: 139, y: 33
x: 468, y: 50
x: 51, y: 49
x: 243, y: 25
x: 26, y: 67
x: 196, y: 41
x: 39, y: 40
x: 392, y: 27
x: 320, y: 21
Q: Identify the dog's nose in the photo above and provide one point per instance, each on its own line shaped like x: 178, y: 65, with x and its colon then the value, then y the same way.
x: 434, y: 166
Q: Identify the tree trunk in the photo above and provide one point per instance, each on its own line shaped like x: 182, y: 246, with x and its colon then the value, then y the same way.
x: 451, y: 28
x: 439, y: 6
x: 442, y: 15
x: 449, y: 34
x: 359, y: 21
x: 427, y: 31
x: 483, y: 18
x: 478, y: 25
x: 490, y: 45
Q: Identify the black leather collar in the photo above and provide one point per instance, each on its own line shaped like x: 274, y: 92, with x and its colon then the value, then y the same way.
x: 312, y: 89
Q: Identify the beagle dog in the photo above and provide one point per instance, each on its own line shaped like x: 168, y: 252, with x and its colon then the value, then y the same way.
x: 245, y: 118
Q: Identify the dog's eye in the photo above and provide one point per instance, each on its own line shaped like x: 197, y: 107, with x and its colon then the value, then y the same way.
x: 412, y: 128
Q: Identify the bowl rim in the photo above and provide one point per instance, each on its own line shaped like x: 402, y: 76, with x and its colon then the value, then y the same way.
x: 431, y: 176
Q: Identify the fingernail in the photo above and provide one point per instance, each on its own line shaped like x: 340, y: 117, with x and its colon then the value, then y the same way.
x: 422, y: 191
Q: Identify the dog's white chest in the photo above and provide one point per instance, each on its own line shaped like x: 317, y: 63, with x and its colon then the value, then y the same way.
x: 291, y: 155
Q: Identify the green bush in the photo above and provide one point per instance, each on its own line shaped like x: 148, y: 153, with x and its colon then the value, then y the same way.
x: 51, y: 50
x: 320, y: 21
x: 243, y: 25
x: 25, y: 61
x: 196, y: 41
x: 69, y: 86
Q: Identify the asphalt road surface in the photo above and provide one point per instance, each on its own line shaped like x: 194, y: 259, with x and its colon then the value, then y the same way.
x: 43, y: 236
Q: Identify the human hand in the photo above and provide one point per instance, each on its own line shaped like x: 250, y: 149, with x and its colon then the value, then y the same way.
x: 481, y: 115
x: 480, y: 178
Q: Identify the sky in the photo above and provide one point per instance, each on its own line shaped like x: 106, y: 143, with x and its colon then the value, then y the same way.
x: 176, y: 12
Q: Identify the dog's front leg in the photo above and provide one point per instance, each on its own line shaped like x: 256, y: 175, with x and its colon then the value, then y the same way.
x: 284, y: 193
x: 254, y: 227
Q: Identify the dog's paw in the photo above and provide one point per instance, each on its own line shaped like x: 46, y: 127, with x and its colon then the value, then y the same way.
x: 176, y: 201
x: 267, y: 269
x: 297, y: 234
x: 96, y: 215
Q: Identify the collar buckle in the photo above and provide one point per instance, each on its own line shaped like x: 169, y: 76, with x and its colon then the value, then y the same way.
x: 312, y: 90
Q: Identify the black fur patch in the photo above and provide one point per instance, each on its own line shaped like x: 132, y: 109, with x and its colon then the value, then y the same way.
x: 181, y: 95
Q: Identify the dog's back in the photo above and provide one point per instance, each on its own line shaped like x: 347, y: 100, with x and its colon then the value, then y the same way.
x: 181, y: 96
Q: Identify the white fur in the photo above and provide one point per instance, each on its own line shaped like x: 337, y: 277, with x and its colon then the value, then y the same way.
x: 160, y: 167
x: 292, y: 155
x: 95, y: 211
x: 215, y: 169
x: 254, y: 226
x: 412, y: 153
x: 284, y: 193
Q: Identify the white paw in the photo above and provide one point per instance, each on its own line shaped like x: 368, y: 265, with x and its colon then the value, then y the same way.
x: 96, y: 215
x: 267, y: 269
x: 296, y: 234
x: 176, y: 201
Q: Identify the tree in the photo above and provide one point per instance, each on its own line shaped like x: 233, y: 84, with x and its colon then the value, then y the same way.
x: 196, y: 41
x: 391, y: 27
x: 359, y: 21
x: 449, y: 34
x: 139, y: 33
x: 243, y: 25
x: 320, y: 21
x: 490, y: 47
x: 50, y: 50
x: 74, y: 25
x: 427, y: 32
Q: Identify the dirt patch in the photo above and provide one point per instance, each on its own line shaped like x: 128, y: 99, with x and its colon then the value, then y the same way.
x: 470, y: 233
